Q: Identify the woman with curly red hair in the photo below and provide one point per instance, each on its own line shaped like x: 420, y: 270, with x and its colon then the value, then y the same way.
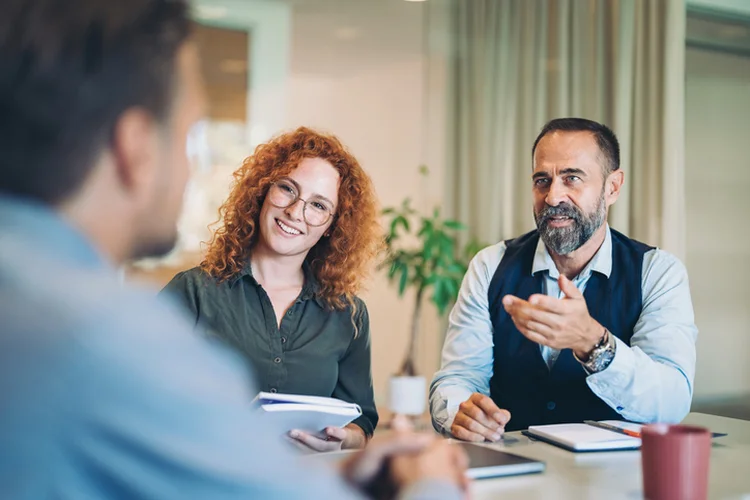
x: 280, y: 277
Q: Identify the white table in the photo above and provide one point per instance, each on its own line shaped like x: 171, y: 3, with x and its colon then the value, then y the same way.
x: 617, y: 475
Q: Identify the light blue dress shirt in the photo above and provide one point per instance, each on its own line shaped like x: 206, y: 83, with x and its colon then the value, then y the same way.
x: 107, y: 392
x: 649, y: 381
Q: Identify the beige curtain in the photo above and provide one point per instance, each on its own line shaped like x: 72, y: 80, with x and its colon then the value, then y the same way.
x: 519, y: 63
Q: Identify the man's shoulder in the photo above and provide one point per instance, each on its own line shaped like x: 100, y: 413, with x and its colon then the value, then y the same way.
x: 68, y: 301
x: 492, y: 252
x: 631, y: 243
x: 654, y: 258
x: 86, y: 317
x: 530, y: 238
x: 657, y: 262
x: 491, y: 256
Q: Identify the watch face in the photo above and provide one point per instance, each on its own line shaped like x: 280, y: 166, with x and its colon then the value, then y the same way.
x: 601, y: 357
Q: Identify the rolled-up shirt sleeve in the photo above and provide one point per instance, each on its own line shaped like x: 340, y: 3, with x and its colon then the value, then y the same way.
x: 652, y: 379
x: 467, y: 353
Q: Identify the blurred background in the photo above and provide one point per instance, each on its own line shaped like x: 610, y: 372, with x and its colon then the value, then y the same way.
x: 463, y: 87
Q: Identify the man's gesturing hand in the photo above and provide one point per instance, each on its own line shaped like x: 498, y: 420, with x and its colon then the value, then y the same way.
x: 557, y: 323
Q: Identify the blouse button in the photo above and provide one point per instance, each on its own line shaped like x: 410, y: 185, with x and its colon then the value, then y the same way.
x: 273, y: 390
x: 277, y: 360
x: 283, y: 340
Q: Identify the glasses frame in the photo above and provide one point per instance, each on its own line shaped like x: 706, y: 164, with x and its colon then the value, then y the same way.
x: 297, y: 198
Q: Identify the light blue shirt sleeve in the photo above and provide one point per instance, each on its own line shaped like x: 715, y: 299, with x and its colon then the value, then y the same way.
x: 652, y: 380
x: 467, y: 353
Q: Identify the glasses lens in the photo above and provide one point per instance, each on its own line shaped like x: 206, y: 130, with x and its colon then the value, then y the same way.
x: 316, y: 214
x: 282, y: 194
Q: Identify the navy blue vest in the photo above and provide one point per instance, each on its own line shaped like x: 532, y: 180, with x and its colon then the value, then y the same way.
x: 522, y: 383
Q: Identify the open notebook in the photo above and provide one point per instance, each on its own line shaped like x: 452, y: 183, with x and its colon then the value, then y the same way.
x: 585, y: 437
x: 306, y: 413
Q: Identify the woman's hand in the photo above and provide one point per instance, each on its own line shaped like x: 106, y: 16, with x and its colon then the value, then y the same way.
x: 337, y: 438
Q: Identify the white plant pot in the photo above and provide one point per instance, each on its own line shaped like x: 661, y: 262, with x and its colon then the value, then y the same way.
x: 407, y: 395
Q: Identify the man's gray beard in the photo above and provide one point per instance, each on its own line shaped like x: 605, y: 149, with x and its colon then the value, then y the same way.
x: 564, y: 240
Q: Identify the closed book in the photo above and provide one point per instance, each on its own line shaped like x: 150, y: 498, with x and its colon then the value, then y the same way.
x: 311, y: 414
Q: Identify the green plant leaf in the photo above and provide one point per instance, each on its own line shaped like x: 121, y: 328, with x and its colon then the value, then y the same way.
x: 431, y: 260
x: 393, y: 269
x: 446, y: 248
x: 454, y: 224
x: 429, y: 280
x: 428, y: 246
x: 406, y: 207
x: 451, y: 287
x: 440, y: 296
x: 427, y: 228
x: 404, y: 278
x: 456, y: 268
x: 399, y: 220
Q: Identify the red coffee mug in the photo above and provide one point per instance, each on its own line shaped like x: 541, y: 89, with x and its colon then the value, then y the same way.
x: 675, y: 462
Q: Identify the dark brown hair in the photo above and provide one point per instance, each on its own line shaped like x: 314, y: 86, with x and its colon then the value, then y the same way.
x: 609, y: 147
x: 68, y: 70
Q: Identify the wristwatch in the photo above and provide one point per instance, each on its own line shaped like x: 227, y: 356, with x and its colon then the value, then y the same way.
x: 602, y: 354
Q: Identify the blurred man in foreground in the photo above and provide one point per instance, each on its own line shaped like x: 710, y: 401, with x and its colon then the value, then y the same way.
x: 107, y: 393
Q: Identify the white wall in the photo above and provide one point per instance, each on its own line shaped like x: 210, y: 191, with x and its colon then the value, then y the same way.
x: 358, y: 70
x: 718, y: 206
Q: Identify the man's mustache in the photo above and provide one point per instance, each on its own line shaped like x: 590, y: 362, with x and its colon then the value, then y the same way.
x: 561, y: 210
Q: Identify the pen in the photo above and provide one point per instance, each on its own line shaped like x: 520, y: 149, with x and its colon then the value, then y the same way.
x: 613, y: 428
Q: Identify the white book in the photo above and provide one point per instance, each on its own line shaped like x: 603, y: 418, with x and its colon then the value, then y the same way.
x: 310, y: 414
x: 584, y: 437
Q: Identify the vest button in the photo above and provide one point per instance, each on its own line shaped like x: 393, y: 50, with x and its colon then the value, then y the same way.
x: 551, y: 405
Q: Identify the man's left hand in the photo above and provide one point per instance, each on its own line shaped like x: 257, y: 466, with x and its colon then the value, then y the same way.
x: 557, y: 323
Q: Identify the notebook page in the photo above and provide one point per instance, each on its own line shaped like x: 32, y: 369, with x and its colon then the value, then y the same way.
x: 583, y: 437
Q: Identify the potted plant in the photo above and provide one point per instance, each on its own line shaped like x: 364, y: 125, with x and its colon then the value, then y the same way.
x: 422, y: 256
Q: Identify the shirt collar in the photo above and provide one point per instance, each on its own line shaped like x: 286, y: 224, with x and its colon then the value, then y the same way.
x: 35, y: 224
x: 310, y: 289
x: 601, y: 262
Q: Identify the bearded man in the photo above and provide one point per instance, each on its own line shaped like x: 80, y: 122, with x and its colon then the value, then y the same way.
x: 573, y: 321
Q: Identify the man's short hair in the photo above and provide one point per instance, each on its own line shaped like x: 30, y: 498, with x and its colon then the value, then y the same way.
x: 68, y: 70
x: 605, y: 138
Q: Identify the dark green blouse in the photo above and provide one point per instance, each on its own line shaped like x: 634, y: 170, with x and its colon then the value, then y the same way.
x: 314, y: 352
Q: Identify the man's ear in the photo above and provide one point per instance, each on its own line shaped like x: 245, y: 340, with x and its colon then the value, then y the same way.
x: 135, y: 146
x: 613, y: 184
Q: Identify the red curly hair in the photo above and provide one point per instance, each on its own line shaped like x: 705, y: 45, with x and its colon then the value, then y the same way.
x: 340, y: 262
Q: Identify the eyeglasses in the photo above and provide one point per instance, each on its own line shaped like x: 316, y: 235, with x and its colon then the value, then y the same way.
x: 283, y: 194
